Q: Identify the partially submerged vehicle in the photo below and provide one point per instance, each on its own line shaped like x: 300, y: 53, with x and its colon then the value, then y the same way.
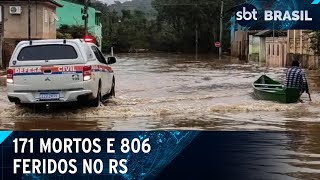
x: 59, y: 70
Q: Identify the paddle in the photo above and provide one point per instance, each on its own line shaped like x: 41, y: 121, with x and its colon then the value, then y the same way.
x: 309, y: 96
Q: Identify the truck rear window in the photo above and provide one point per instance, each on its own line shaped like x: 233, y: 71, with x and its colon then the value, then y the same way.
x: 47, y: 52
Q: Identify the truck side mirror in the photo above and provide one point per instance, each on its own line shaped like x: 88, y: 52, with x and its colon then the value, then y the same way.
x: 111, y: 60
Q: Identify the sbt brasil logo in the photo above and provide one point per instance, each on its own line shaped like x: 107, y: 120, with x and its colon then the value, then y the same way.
x: 273, y: 15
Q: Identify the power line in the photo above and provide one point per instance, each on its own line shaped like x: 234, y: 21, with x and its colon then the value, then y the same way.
x: 189, y: 4
x: 165, y: 4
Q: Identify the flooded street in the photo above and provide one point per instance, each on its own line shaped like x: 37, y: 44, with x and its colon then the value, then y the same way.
x: 175, y: 92
x: 165, y: 92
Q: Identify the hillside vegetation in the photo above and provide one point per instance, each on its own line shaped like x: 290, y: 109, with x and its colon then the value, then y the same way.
x: 163, y: 25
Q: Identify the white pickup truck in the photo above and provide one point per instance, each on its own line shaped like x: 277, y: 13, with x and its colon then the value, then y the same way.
x: 58, y: 70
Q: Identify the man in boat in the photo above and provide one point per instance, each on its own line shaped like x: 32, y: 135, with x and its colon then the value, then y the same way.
x: 296, y: 78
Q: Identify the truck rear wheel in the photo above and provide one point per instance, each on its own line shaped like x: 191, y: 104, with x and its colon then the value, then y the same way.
x: 112, y: 93
x: 97, y: 101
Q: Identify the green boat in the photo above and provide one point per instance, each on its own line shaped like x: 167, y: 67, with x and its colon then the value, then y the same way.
x: 266, y: 88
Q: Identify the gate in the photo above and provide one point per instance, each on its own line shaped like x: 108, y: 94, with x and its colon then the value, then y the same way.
x: 276, y: 51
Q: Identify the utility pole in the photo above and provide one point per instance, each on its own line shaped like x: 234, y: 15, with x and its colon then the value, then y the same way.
x: 221, y: 29
x: 85, y: 16
x: 29, y: 19
x: 197, y: 38
x: 110, y: 33
x: 247, y: 44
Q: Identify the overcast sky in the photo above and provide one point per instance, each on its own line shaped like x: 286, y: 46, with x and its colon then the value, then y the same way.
x: 112, y: 1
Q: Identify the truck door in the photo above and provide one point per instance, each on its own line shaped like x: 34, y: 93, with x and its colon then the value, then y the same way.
x: 103, y: 70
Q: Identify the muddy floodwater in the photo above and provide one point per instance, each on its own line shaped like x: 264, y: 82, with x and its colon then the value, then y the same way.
x: 177, y: 92
x: 165, y: 92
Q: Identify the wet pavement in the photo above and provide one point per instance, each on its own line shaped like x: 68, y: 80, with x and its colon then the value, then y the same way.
x: 166, y: 91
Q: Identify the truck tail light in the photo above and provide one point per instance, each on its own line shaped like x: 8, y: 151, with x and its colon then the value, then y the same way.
x: 86, y: 73
x: 10, y: 76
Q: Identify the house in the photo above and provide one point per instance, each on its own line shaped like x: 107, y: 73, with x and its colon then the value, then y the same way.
x: 285, y: 46
x: 268, y: 47
x: 14, y: 24
x: 274, y: 48
x: 71, y: 14
x: 271, y: 47
x: 240, y: 42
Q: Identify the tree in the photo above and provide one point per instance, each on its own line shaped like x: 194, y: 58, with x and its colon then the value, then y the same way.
x: 184, y: 15
x: 162, y: 25
x: 71, y: 32
x: 315, y: 41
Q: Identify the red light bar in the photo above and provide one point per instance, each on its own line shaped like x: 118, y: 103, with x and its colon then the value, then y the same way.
x: 88, y: 39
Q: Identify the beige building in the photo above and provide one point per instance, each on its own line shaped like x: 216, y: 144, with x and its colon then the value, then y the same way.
x: 14, y: 23
x: 275, y: 48
x: 299, y: 46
